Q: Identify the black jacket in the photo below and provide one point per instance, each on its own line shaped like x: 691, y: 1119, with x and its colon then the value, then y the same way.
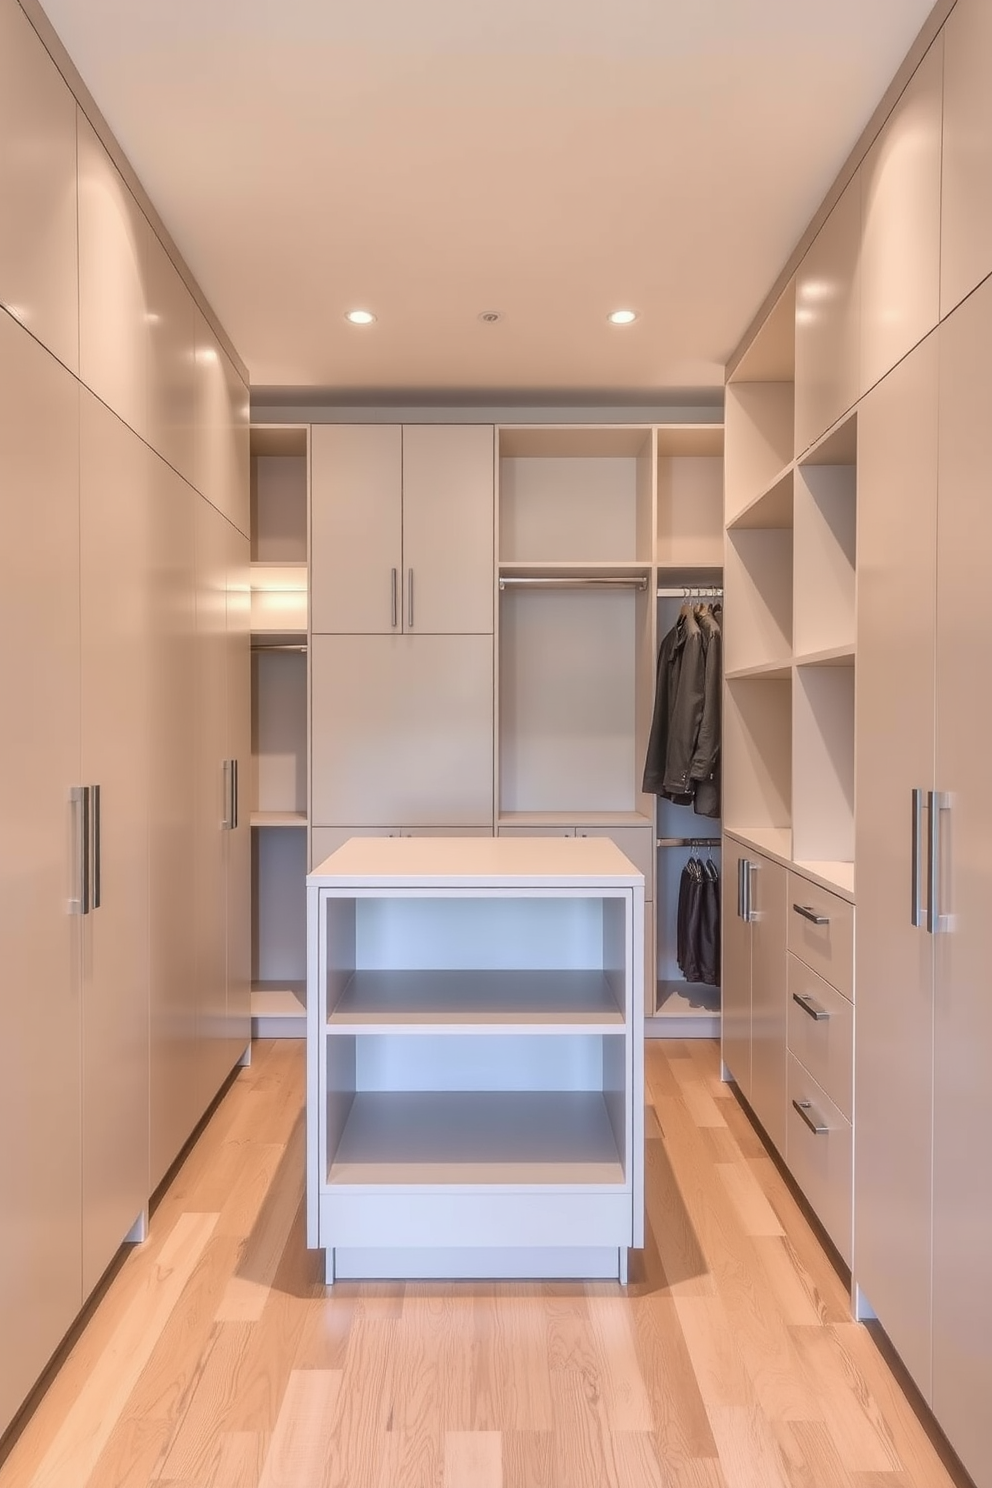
x: 683, y: 752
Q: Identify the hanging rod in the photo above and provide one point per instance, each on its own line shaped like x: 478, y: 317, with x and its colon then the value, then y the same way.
x: 688, y: 841
x: 280, y: 646
x: 692, y: 591
x: 574, y: 583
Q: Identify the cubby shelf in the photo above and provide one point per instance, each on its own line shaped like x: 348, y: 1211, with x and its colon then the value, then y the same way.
x: 278, y: 819
x: 833, y: 656
x: 771, y: 670
x: 772, y: 508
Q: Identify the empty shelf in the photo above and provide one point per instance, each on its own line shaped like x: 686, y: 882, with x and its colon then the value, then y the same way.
x: 463, y: 1000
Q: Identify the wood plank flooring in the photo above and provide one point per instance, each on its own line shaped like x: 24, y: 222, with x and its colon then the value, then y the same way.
x: 217, y: 1359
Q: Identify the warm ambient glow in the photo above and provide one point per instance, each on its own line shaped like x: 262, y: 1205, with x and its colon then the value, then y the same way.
x: 622, y: 317
x: 360, y: 317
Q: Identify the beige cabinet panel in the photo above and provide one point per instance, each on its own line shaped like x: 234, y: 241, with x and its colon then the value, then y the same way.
x: 221, y: 433
x: 769, y: 1004
x: 38, y: 255
x: 962, y: 1180
x: 736, y: 972
x: 116, y: 480
x: 900, y: 251
x: 40, y: 1273
x: 820, y: 1154
x: 114, y: 334
x: 171, y: 678
x: 356, y: 542
x: 172, y: 370
x: 448, y: 496
x: 828, y: 339
x: 821, y: 1032
x: 966, y: 185
x: 238, y: 1031
x: 402, y: 730
x: 897, y: 475
x: 827, y: 946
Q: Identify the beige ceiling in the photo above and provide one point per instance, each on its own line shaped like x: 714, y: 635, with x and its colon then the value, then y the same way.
x: 433, y: 159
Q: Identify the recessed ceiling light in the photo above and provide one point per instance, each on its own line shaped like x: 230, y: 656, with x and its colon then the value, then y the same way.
x: 360, y: 317
x: 622, y: 317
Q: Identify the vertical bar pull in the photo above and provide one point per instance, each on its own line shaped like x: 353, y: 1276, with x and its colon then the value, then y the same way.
x: 226, y: 821
x: 79, y: 796
x: 235, y: 794
x: 409, y: 600
x: 937, y: 801
x: 95, y: 847
x: 916, y: 916
x: 392, y: 608
x: 741, y: 866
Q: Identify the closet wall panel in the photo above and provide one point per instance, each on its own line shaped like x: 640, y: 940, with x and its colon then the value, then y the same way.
x: 238, y: 879
x: 38, y: 250
x: 828, y: 337
x: 448, y: 539
x: 221, y: 439
x: 356, y: 541
x: 966, y: 210
x: 172, y: 367
x: 116, y: 484
x: 40, y: 1265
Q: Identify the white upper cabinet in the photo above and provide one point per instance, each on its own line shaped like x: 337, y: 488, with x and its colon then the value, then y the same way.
x: 113, y: 309
x: 38, y: 278
x: 171, y: 361
x: 900, y: 255
x: 828, y: 351
x: 221, y: 452
x: 402, y: 536
x: 966, y: 226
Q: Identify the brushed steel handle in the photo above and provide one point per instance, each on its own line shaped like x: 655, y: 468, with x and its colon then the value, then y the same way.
x: 409, y: 600
x: 808, y: 913
x: 810, y: 1005
x: 814, y: 1122
x: 226, y: 822
x: 937, y: 801
x: 79, y: 796
x: 393, y: 604
x: 235, y: 793
x: 749, y: 870
x: 740, y: 888
x: 95, y: 847
x: 916, y: 915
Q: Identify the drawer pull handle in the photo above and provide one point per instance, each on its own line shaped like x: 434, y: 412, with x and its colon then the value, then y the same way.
x: 810, y: 914
x: 811, y: 1006
x: 811, y: 1119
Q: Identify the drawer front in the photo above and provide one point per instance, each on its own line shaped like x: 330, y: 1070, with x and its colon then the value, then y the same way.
x: 828, y: 947
x: 820, y: 1162
x: 350, y: 1218
x: 821, y: 1032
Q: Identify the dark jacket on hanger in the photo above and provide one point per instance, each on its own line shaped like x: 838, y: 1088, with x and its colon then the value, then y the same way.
x: 705, y: 766
x: 678, y: 709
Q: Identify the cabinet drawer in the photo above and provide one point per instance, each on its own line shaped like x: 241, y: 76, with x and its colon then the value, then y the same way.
x: 820, y: 1161
x: 821, y: 1032
x: 828, y: 947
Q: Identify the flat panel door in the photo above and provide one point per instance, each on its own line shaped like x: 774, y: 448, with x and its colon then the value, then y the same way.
x: 356, y: 549
x: 40, y: 1273
x: 962, y: 1180
x: 212, y: 800
x: 172, y: 365
x: 900, y: 253
x: 116, y: 483
x: 897, y: 493
x: 828, y: 340
x: 221, y: 454
x: 171, y: 682
x: 736, y: 973
x: 769, y: 997
x: 402, y: 731
x: 239, y: 837
x: 448, y: 510
x: 114, y: 332
x: 966, y: 182
x: 38, y: 246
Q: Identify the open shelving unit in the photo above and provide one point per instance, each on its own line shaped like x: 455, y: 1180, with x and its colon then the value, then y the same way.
x: 279, y: 621
x: 475, y: 1079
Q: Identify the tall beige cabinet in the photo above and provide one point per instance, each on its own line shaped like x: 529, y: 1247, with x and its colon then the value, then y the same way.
x: 123, y: 441
x: 856, y: 743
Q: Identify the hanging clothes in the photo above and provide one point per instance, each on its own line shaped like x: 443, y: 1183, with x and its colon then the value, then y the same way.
x: 683, y: 753
x: 698, y: 922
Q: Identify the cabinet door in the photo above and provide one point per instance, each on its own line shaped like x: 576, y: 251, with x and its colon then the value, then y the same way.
x: 402, y: 731
x: 38, y: 241
x: 448, y: 499
x: 962, y: 1179
x: 238, y: 885
x: 966, y: 178
x: 221, y: 455
x: 116, y: 479
x: 356, y: 549
x: 40, y: 1277
x: 769, y: 993
x: 897, y: 530
x: 828, y: 337
x: 172, y: 820
x: 736, y: 974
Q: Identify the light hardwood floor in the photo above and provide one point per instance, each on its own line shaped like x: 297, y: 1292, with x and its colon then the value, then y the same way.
x: 216, y: 1359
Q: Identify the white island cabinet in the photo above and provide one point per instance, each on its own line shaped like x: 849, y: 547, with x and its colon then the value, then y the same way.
x: 475, y: 1065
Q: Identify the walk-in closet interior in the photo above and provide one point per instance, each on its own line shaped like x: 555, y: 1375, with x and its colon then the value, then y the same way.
x: 458, y: 745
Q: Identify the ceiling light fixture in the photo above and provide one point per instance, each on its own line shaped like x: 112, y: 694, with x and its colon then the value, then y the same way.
x: 622, y: 317
x: 360, y: 317
x: 490, y: 317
